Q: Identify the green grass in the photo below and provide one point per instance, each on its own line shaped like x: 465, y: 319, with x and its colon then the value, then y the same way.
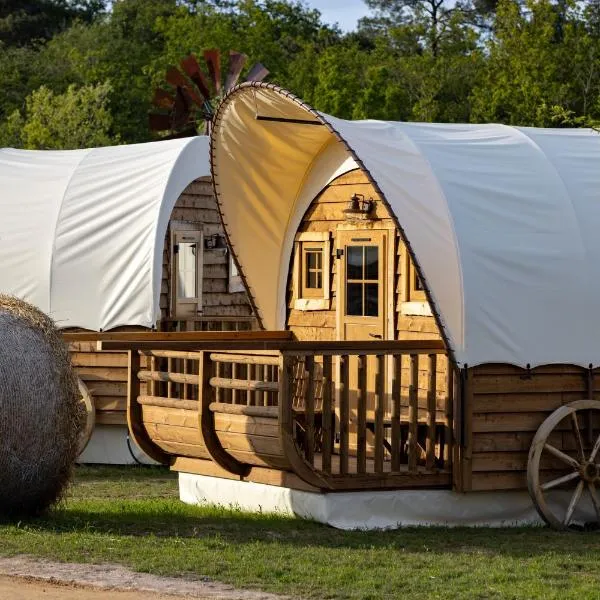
x: 132, y: 516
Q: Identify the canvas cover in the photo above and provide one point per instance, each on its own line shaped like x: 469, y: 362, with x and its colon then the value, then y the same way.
x: 503, y: 221
x: 82, y: 231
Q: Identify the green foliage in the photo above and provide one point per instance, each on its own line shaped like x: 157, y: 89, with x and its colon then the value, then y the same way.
x: 526, y: 62
x: 79, y: 118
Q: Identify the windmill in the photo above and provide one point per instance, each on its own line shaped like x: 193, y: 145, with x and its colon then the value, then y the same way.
x: 194, y: 92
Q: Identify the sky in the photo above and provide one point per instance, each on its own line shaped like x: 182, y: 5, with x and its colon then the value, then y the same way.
x: 345, y: 12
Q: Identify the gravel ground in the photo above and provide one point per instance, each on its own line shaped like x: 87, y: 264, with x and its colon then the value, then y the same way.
x: 27, y: 578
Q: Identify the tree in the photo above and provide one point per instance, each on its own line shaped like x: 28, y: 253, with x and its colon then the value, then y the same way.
x: 25, y: 21
x: 79, y: 118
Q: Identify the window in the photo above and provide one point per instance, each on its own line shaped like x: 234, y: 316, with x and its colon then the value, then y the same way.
x: 186, y: 272
x: 311, y: 280
x: 234, y: 283
x: 415, y: 302
x: 362, y: 281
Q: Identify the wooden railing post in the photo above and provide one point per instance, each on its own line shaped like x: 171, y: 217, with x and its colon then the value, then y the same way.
x: 207, y: 421
x: 431, y: 413
x: 309, y: 409
x: 379, y: 412
x: 396, y: 431
x: 344, y: 414
x: 413, y: 412
x: 327, y: 415
x: 137, y: 431
x: 361, y: 420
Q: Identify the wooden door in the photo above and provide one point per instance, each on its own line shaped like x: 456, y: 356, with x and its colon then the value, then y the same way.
x: 362, y: 311
x: 362, y: 277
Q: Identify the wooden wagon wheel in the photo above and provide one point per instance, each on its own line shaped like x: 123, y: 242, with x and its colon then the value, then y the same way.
x: 90, y: 416
x: 582, y: 463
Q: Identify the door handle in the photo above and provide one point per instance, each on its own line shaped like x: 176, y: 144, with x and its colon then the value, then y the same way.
x: 376, y: 336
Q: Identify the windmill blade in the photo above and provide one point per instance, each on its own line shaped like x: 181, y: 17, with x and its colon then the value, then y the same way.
x: 162, y: 99
x: 192, y: 68
x: 183, y: 108
x: 175, y: 77
x: 159, y: 121
x: 213, y: 62
x: 236, y: 64
x: 257, y: 73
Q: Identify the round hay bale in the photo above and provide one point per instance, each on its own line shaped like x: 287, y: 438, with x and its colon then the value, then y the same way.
x: 41, y: 415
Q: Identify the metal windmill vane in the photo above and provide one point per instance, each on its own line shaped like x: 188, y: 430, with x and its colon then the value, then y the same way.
x: 195, y: 92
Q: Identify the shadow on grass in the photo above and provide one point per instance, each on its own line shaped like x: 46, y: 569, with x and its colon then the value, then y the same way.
x: 168, y: 518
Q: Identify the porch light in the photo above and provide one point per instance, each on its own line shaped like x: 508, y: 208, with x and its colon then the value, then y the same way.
x: 358, y: 205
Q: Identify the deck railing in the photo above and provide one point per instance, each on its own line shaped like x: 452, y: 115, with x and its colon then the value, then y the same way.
x: 349, y: 415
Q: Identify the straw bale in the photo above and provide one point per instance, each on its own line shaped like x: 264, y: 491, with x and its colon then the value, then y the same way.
x: 41, y: 415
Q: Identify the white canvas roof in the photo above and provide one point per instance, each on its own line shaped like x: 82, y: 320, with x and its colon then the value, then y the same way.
x: 503, y: 221
x: 82, y: 231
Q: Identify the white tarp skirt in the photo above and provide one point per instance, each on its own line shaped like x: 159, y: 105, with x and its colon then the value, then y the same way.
x: 82, y: 231
x: 503, y: 221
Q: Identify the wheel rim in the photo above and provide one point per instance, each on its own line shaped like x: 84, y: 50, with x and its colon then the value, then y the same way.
x: 90, y: 416
x: 576, y: 427
x: 578, y: 457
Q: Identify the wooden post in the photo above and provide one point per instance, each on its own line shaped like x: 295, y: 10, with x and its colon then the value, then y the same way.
x: 413, y: 412
x: 361, y: 434
x: 309, y: 409
x: 396, y: 388
x: 379, y: 412
x: 327, y: 416
x: 169, y: 383
x: 448, y: 437
x: 344, y: 414
x: 207, y: 421
x: 135, y: 421
x: 431, y: 413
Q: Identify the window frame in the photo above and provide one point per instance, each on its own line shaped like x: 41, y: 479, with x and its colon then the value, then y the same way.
x: 305, y: 298
x: 235, y: 284
x: 182, y: 233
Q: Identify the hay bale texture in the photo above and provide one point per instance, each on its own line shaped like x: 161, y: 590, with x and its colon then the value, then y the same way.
x: 40, y: 412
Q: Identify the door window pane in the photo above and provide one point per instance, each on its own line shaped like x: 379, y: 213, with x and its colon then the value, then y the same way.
x: 354, y: 299
x: 187, y: 267
x: 371, y: 262
x: 354, y: 262
x: 371, y: 299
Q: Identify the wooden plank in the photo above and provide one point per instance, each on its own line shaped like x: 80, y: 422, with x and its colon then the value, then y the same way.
x: 431, y: 413
x: 244, y: 385
x: 327, y: 415
x: 103, y: 403
x: 507, y: 422
x: 413, y: 414
x: 498, y: 481
x: 254, y: 444
x: 176, y: 336
x: 361, y: 415
x: 449, y: 429
x: 102, y: 373
x: 526, y: 402
x: 247, y: 425
x: 111, y: 417
x: 379, y: 411
x: 161, y: 432
x: 99, y: 359
x: 516, y: 384
x: 169, y: 377
x: 249, y: 459
x: 170, y: 416
x: 245, y: 359
x: 256, y: 475
x: 344, y: 413
x: 468, y: 418
x: 168, y: 402
x: 395, y: 400
x: 309, y: 409
x: 181, y: 449
x: 107, y: 388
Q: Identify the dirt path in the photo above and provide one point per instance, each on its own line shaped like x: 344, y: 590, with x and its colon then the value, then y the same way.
x: 27, y: 578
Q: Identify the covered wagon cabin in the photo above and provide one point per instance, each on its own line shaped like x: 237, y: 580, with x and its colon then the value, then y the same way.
x: 118, y: 239
x: 439, y: 284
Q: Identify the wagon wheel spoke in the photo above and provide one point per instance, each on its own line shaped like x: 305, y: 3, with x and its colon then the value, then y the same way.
x: 595, y: 499
x: 560, y: 480
x: 595, y: 450
x: 562, y: 456
x: 574, y: 500
x: 578, y: 438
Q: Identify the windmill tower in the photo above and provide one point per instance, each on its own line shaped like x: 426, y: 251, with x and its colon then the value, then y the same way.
x: 187, y: 108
